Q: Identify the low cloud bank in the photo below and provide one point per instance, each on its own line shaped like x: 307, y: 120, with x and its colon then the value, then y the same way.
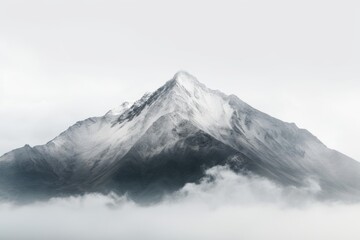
x: 230, y: 207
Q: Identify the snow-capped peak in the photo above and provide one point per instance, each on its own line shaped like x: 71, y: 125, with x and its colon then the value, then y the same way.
x: 172, y: 134
x: 187, y: 81
x: 183, y: 77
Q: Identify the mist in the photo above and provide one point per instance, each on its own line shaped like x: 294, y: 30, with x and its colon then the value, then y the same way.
x: 223, y: 205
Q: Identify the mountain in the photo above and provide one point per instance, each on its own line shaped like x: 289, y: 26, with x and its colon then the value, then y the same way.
x: 169, y: 138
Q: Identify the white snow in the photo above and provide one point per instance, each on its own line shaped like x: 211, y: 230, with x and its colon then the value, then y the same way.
x: 117, y: 111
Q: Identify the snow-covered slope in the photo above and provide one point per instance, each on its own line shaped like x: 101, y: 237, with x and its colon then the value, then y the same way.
x: 168, y: 138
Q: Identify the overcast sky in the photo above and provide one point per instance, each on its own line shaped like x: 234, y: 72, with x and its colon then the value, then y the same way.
x: 63, y: 61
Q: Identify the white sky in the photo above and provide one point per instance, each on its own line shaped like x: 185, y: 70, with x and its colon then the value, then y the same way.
x: 63, y: 61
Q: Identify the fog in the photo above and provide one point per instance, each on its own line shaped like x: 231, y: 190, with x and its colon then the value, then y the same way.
x: 230, y: 207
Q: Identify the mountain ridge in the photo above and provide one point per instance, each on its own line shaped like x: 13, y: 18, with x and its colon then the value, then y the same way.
x: 169, y: 138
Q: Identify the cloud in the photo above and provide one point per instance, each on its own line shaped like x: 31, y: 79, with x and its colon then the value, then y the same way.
x: 230, y: 207
x: 223, y: 186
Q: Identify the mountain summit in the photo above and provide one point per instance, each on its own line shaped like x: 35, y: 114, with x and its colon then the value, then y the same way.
x: 169, y: 138
x: 184, y: 78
